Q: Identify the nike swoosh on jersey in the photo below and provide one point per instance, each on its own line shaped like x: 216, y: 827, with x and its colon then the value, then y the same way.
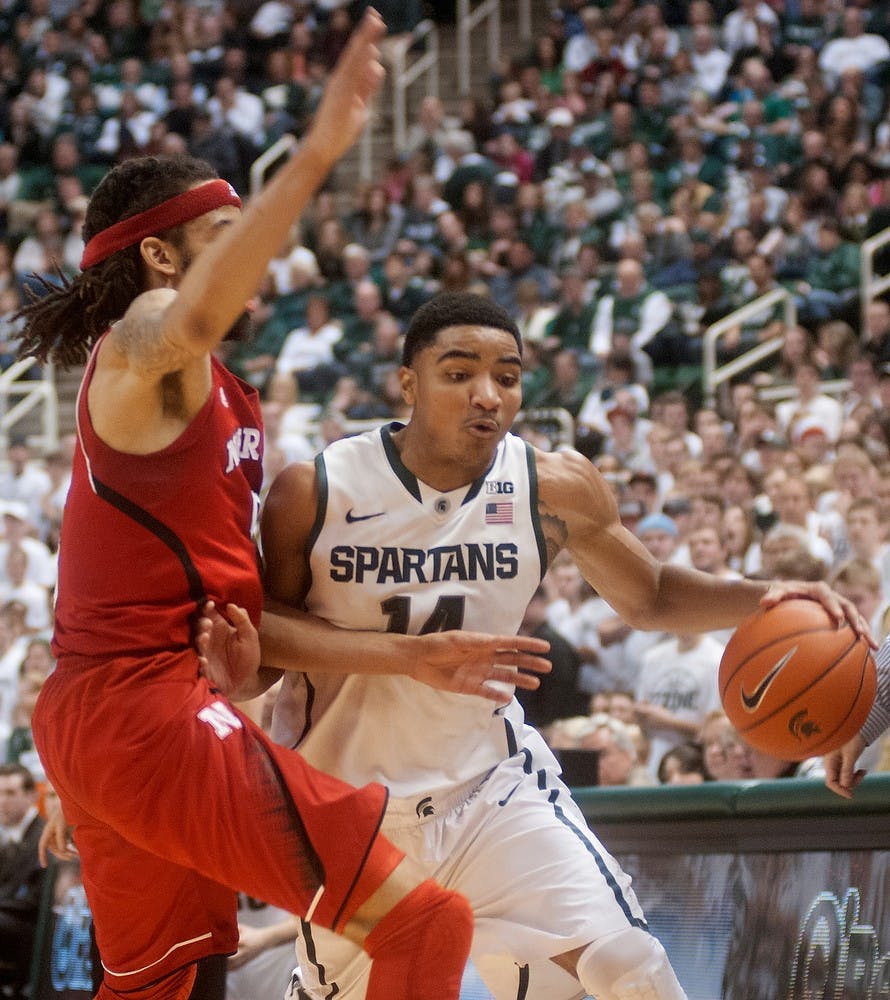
x: 352, y: 518
x: 752, y: 701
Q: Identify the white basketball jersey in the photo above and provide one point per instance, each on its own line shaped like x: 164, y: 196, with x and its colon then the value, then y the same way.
x: 390, y: 553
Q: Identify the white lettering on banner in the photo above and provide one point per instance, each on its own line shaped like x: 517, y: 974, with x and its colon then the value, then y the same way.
x: 221, y: 718
x: 836, y: 956
x: 244, y: 443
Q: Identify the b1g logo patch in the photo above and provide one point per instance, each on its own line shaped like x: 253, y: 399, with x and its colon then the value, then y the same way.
x: 494, y: 487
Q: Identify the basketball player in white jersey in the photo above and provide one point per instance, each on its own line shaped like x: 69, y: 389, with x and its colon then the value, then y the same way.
x: 449, y: 522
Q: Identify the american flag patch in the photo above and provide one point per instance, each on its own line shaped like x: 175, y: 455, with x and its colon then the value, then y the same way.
x: 499, y: 513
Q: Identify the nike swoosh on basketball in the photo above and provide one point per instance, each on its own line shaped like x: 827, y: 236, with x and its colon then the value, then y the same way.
x: 352, y: 518
x: 752, y: 701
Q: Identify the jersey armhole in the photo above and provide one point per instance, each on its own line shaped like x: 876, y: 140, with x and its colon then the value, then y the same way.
x: 534, y: 505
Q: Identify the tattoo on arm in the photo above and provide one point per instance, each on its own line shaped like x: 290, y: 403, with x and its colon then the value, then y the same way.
x: 556, y: 532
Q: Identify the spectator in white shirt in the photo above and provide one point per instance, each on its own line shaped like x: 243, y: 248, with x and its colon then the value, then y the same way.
x: 810, y: 402
x: 24, y: 479
x: 710, y: 63
x: 310, y: 347
x: 15, y: 586
x: 236, y: 107
x: 855, y: 49
x: 741, y: 28
x: 18, y: 533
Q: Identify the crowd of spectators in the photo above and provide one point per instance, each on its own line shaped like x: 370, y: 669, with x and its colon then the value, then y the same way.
x: 634, y: 175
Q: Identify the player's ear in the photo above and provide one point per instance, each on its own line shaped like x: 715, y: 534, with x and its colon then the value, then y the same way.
x: 408, y: 383
x: 156, y: 253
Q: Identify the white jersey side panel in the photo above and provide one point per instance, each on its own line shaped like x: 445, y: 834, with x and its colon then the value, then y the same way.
x: 392, y: 554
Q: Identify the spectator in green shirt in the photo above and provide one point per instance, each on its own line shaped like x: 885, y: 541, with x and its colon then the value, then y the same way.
x: 831, y: 280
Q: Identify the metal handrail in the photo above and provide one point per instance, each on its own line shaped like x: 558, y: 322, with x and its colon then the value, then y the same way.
x: 31, y: 393
x: 426, y: 65
x: 870, y: 286
x: 279, y: 149
x: 712, y: 376
x: 467, y: 20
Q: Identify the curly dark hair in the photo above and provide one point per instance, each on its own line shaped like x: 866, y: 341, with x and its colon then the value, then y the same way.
x: 454, y: 309
x: 65, y: 320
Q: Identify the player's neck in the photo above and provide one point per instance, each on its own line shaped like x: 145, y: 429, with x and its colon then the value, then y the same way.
x: 441, y: 472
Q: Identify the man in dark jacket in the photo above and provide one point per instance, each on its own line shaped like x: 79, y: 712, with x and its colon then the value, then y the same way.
x: 21, y: 876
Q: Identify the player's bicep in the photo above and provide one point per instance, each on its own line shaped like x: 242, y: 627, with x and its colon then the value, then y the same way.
x: 579, y: 512
x: 286, y: 525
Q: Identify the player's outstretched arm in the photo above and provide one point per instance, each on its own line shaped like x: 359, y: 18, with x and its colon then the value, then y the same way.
x: 462, y: 662
x: 579, y: 512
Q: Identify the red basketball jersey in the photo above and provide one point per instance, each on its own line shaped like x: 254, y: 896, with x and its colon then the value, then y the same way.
x: 147, y: 539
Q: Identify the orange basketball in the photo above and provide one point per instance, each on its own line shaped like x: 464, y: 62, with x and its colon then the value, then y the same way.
x: 793, y: 683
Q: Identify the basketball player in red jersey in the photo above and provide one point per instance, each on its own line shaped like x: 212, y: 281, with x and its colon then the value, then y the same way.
x: 176, y: 799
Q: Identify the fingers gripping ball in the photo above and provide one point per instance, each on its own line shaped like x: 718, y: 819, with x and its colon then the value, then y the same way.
x: 794, y: 684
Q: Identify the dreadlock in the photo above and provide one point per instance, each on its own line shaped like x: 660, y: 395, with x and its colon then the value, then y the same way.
x: 65, y: 320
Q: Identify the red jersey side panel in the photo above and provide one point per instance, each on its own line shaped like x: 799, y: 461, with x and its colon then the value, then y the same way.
x: 147, y: 538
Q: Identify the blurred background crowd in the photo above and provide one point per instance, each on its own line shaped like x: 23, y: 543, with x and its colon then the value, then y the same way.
x: 633, y: 176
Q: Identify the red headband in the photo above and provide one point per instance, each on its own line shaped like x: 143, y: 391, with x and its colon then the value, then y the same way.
x: 172, y: 212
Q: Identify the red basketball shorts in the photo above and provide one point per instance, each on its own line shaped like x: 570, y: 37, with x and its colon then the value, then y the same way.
x: 178, y: 801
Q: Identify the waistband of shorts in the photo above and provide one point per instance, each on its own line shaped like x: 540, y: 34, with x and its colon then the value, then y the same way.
x: 433, y: 805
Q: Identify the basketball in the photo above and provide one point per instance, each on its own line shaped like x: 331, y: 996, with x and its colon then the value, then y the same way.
x: 793, y: 683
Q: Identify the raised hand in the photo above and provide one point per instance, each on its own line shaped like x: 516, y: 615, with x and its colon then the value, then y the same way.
x: 349, y: 91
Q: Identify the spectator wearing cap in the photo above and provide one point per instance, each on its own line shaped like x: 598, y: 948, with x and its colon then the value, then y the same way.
x: 659, y: 534
x: 641, y: 485
x: 558, y: 147
x: 624, y: 439
x: 809, y: 401
x: 809, y: 436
